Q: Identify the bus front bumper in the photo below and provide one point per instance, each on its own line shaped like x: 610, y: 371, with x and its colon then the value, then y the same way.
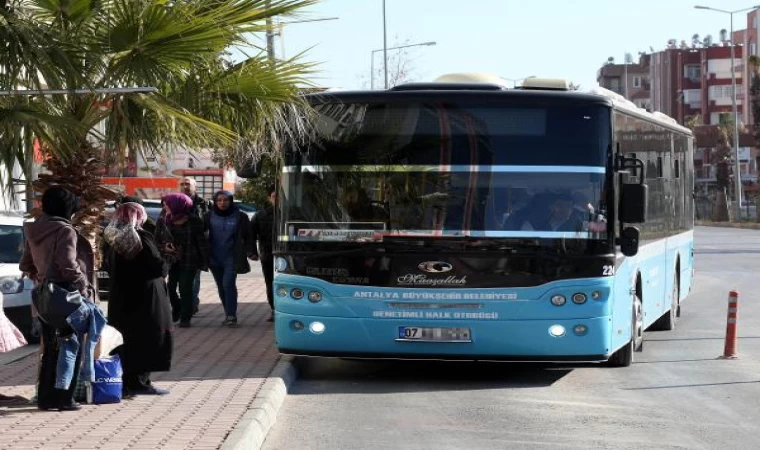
x: 576, y: 340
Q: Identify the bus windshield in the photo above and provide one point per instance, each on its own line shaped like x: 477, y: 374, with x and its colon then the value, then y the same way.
x: 449, y: 169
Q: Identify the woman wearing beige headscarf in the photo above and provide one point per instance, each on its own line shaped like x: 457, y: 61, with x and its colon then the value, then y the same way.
x: 139, y: 304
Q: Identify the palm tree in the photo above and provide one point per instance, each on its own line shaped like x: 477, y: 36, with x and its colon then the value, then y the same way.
x: 754, y: 93
x: 203, y: 100
x: 722, y: 157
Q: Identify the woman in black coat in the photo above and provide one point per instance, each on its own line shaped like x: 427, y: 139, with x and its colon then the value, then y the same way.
x: 139, y: 305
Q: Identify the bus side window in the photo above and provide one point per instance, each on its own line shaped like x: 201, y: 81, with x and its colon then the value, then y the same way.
x: 659, y: 167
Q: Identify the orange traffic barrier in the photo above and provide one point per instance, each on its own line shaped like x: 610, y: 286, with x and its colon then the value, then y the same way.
x: 729, y: 350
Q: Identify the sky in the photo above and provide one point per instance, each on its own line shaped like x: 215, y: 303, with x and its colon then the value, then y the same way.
x: 512, y: 39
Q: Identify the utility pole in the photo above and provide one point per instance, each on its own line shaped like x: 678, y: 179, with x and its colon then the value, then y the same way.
x: 385, y: 48
x: 625, y: 76
x: 737, y: 162
x: 270, y: 36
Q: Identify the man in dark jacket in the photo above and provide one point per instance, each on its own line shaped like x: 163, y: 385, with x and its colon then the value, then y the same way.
x: 189, y: 187
x: 262, y: 231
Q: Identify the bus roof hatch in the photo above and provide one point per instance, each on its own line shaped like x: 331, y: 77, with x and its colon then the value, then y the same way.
x: 550, y: 84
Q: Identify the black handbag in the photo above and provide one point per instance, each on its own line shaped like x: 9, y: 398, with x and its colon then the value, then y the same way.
x: 54, y: 304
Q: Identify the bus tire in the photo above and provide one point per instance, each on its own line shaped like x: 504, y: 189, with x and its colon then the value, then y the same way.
x: 668, y: 320
x: 624, y: 356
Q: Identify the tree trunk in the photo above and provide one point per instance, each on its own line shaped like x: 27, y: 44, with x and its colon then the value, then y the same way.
x: 81, y: 174
x: 720, y: 209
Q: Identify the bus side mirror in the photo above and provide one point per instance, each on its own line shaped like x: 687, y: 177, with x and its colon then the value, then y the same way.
x: 249, y: 169
x: 633, y: 203
x: 629, y: 241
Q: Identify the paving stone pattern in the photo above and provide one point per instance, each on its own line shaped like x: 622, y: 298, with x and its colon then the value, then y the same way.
x: 216, y: 374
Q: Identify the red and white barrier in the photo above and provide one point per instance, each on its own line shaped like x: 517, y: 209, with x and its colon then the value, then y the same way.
x: 729, y: 350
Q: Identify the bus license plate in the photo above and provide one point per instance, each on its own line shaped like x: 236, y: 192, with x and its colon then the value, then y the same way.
x: 434, y: 334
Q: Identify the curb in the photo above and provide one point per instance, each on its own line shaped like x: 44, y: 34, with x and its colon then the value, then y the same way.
x: 740, y: 225
x: 253, y: 427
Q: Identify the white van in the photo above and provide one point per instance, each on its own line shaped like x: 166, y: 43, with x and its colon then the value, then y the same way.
x: 17, y: 291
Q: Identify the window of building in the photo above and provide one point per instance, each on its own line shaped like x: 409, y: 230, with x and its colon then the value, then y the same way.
x: 753, y: 47
x: 677, y: 168
x: 693, y: 98
x: 693, y: 72
x: 637, y: 82
x: 721, y: 118
x: 723, y: 92
x: 209, y: 184
x: 721, y: 68
x: 615, y: 85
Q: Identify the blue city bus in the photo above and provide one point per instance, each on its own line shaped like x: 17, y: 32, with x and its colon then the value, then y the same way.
x: 461, y: 219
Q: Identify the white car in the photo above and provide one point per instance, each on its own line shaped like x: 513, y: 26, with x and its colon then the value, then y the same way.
x: 17, y: 291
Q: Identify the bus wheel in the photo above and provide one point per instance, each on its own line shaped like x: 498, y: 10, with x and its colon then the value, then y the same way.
x: 668, y: 321
x: 624, y: 356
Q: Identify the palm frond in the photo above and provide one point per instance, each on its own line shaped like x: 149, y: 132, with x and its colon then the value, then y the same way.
x: 202, y: 102
x: 30, y: 55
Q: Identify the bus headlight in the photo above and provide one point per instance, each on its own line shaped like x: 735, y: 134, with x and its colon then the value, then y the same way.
x: 280, y: 264
x: 315, y: 297
x: 296, y: 294
x: 557, y: 330
x: 579, y: 298
x: 282, y: 292
x: 317, y: 327
x: 596, y: 295
x: 580, y: 330
x: 558, y: 300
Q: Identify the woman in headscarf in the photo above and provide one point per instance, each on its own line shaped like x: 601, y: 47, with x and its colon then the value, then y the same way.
x: 139, y: 303
x: 230, y: 245
x: 182, y: 241
x: 56, y: 252
x: 150, y: 224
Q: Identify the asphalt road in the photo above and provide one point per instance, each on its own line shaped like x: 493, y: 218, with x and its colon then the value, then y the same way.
x: 677, y: 395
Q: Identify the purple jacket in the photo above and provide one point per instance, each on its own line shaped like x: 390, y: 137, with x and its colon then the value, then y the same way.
x: 52, y: 242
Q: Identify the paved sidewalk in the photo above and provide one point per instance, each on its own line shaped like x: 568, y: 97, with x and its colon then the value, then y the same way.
x: 216, y: 375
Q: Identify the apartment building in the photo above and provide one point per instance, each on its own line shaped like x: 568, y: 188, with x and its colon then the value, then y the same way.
x: 630, y: 80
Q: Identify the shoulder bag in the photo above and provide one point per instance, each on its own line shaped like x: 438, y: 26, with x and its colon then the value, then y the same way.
x: 53, y: 302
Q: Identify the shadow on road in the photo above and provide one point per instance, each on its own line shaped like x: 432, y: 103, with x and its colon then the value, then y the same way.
x: 676, y: 361
x: 677, y: 386
x: 332, y: 375
x: 648, y: 339
x: 726, y: 252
